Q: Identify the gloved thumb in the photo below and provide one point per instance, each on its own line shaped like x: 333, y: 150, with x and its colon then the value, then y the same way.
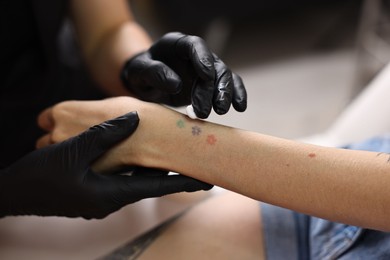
x: 99, y: 138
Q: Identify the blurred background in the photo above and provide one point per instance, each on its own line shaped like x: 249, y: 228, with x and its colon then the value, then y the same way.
x: 302, y: 61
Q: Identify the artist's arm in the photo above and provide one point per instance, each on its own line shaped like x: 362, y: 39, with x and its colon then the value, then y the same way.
x: 177, y: 69
x: 336, y: 184
x: 108, y: 36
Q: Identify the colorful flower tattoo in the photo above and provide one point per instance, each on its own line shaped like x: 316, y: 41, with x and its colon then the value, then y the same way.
x: 196, y: 131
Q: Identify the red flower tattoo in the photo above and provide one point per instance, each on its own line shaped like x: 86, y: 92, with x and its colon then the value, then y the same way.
x: 211, y: 139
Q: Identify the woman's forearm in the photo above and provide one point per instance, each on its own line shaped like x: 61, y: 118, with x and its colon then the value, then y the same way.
x: 337, y: 184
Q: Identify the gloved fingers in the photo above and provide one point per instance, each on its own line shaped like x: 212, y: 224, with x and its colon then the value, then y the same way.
x: 143, y: 171
x: 45, y: 119
x: 44, y: 141
x: 99, y: 138
x: 194, y: 49
x: 140, y: 171
x: 143, y: 70
x: 142, y: 187
x: 239, y: 94
x: 223, y: 91
x: 160, y: 76
x: 202, y: 97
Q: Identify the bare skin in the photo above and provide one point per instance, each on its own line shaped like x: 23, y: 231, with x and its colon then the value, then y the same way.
x: 336, y: 184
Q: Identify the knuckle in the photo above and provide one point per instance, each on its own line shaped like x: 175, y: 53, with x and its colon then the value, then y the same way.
x: 192, y: 40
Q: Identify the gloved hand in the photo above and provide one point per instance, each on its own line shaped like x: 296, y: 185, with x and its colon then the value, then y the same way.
x: 57, y: 180
x: 178, y: 70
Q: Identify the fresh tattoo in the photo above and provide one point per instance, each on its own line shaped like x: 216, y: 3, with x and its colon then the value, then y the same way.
x: 385, y: 154
x: 180, y: 123
x: 211, y: 139
x: 196, y: 130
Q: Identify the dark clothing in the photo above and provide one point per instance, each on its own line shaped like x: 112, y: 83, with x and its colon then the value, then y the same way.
x: 33, y: 76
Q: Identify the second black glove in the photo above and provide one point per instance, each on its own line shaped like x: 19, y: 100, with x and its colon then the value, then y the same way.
x: 178, y: 70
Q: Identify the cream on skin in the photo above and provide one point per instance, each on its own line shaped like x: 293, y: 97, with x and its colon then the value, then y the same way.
x: 336, y: 184
x: 190, y: 112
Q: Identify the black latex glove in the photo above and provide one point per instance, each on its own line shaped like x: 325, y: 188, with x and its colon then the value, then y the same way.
x: 58, y: 181
x: 180, y: 69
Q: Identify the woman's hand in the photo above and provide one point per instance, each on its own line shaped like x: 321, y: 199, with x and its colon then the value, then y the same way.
x: 69, y: 118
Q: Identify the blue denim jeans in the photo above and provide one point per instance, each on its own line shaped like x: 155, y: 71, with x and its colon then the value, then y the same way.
x: 291, y: 235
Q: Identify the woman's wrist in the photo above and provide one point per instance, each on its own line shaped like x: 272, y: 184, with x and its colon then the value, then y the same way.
x: 169, y: 140
x: 146, y: 146
x: 166, y: 139
x: 153, y: 139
